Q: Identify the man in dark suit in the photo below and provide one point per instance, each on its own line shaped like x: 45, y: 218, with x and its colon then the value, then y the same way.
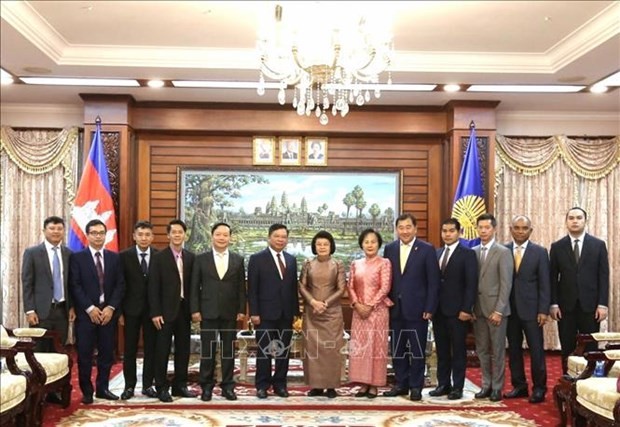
x: 45, y: 283
x: 97, y: 288
x: 217, y: 300
x: 136, y: 316
x: 273, y: 299
x: 291, y: 151
x: 457, y: 294
x: 492, y: 307
x: 169, y: 284
x: 579, y: 282
x: 529, y: 304
x: 415, y: 291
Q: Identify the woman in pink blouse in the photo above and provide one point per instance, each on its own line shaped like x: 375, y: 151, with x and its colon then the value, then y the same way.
x: 369, y: 284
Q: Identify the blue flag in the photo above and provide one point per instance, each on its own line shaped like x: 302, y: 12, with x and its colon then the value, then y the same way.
x: 93, y: 199
x: 469, y: 196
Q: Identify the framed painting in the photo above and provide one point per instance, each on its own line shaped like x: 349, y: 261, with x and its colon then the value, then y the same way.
x: 263, y: 150
x: 315, y: 151
x: 343, y: 203
x: 290, y: 150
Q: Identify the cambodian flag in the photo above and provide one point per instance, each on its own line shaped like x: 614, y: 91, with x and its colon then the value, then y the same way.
x: 93, y: 199
x: 469, y: 195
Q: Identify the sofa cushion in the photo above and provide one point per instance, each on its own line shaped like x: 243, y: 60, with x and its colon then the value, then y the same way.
x: 577, y: 364
x: 598, y: 395
x: 12, y: 390
x: 56, y: 365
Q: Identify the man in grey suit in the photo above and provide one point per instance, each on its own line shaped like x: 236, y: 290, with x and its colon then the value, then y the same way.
x: 217, y: 300
x: 529, y: 305
x: 45, y: 279
x: 492, y: 307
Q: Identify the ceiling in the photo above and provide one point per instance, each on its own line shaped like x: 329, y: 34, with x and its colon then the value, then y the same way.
x: 468, y: 42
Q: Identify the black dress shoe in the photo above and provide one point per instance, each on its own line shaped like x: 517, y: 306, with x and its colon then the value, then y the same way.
x: 207, y: 394
x: 127, y: 394
x: 106, y: 394
x: 182, y: 392
x: 362, y: 393
x: 415, y: 395
x: 441, y: 390
x: 87, y: 400
x: 483, y: 394
x: 315, y: 392
x: 516, y: 392
x: 537, y: 397
x: 331, y: 393
x: 261, y: 393
x: 150, y: 392
x: 229, y: 394
x: 455, y: 394
x: 396, y: 391
x: 372, y: 393
x: 164, y: 396
x: 496, y: 396
x: 281, y: 391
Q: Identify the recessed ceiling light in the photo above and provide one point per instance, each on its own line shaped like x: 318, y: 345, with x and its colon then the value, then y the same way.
x: 451, y: 88
x: 525, y: 88
x: 5, y: 78
x: 598, y: 88
x: 68, y: 81
x: 155, y: 83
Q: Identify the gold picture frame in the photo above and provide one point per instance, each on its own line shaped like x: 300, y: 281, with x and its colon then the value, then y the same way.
x: 290, y: 150
x: 264, y: 150
x: 315, y: 151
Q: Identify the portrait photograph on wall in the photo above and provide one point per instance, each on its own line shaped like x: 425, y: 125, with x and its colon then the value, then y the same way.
x: 290, y: 151
x: 343, y: 203
x: 315, y: 150
x: 263, y: 150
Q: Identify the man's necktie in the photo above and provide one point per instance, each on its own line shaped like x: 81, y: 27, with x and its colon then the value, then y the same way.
x: 180, y: 268
x: 518, y: 257
x: 220, y: 264
x: 404, y: 255
x: 483, y: 254
x: 444, y: 261
x: 143, y: 265
x: 57, y: 279
x: 100, y: 275
x: 576, y: 251
x: 281, y: 265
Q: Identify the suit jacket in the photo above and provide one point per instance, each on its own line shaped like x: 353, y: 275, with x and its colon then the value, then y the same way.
x: 37, y: 281
x: 135, y: 301
x: 271, y: 297
x: 459, y: 282
x: 165, y: 284
x: 494, y: 281
x: 84, y: 282
x: 289, y: 155
x: 416, y: 289
x: 217, y: 298
x: 587, y: 281
x: 531, y: 292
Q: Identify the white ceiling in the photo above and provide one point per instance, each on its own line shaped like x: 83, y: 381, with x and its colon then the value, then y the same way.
x: 468, y: 42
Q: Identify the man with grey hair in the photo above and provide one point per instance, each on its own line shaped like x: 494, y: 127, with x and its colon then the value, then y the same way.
x: 529, y: 304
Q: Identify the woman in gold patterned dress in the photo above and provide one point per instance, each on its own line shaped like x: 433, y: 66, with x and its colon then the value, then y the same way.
x: 322, y: 283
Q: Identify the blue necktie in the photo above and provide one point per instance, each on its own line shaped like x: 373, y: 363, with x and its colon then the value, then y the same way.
x: 56, y: 276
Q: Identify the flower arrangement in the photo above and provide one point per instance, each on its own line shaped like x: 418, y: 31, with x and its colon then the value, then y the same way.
x: 298, y: 322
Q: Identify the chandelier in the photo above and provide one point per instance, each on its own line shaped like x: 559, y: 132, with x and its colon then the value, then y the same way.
x: 331, y: 59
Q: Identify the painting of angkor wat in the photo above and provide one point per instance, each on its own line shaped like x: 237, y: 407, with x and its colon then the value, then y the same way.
x: 343, y: 203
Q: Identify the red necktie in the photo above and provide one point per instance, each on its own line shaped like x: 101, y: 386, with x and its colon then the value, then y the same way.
x: 281, y: 264
x: 99, y: 274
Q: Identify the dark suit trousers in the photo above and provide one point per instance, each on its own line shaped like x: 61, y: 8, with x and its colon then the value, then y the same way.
x: 409, y: 363
x: 535, y: 342
x: 450, y: 335
x: 209, y: 342
x: 181, y: 329
x: 573, y: 322
x: 133, y: 325
x: 57, y: 320
x: 273, y: 338
x: 88, y: 337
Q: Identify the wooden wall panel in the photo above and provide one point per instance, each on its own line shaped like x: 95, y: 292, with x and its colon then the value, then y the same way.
x: 412, y: 156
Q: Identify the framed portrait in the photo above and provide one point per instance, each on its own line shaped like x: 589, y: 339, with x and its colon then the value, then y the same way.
x: 290, y: 150
x: 263, y: 150
x: 315, y: 151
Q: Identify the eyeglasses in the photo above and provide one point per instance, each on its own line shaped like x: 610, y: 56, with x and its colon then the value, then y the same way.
x: 97, y: 233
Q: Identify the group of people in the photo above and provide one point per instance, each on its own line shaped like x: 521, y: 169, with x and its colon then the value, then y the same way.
x: 505, y: 291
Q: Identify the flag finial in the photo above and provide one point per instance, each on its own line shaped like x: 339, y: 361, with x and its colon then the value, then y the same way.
x: 98, y: 120
x: 472, y: 125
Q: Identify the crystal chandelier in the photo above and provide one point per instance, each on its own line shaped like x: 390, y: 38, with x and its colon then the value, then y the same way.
x: 331, y: 59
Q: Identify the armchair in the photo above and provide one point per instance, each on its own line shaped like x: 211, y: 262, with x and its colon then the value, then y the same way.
x: 15, y: 389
